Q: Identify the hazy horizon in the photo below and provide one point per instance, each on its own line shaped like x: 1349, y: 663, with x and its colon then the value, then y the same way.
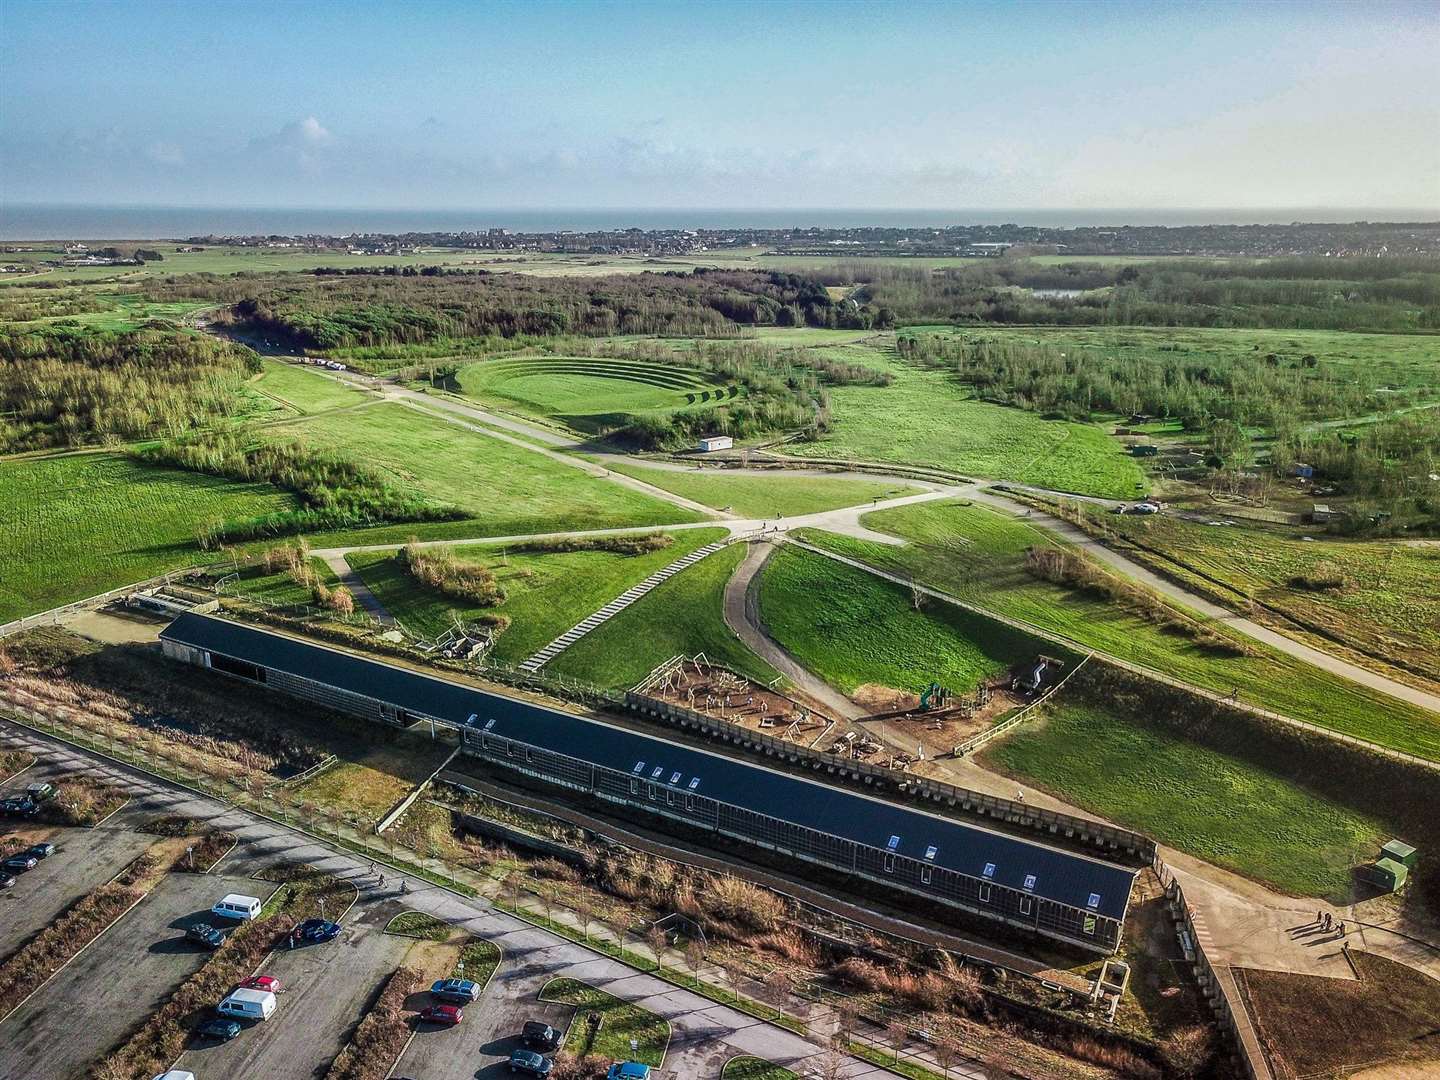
x: 731, y: 105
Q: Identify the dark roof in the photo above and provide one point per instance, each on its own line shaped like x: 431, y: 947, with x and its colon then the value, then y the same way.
x: 1063, y: 876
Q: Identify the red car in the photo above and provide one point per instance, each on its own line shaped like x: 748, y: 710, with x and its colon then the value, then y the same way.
x: 450, y: 1015
x: 262, y: 982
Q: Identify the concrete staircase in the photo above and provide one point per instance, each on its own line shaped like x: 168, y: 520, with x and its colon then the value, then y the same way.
x: 619, y: 604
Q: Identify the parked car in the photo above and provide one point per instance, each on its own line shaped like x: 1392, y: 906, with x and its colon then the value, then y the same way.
x: 541, y: 1035
x: 262, y: 982
x: 220, y: 1030
x: 461, y: 991
x: 19, y: 806
x: 41, y: 851
x: 628, y: 1070
x: 20, y: 863
x: 248, y: 1004
x: 206, y: 935
x: 314, y: 930
x: 530, y: 1063
x: 235, y: 906
x: 450, y: 1015
x: 176, y: 1074
x: 40, y: 792
x: 6, y: 880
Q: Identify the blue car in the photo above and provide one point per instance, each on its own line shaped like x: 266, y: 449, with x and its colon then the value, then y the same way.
x: 314, y: 930
x: 220, y: 1030
x: 460, y: 991
x: 628, y: 1070
x: 530, y: 1063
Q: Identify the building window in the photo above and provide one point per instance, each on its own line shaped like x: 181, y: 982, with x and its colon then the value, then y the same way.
x: 690, y: 802
x: 669, y: 797
x: 889, y: 863
x: 1089, y: 924
x: 1027, y: 905
x: 651, y: 791
x: 984, y: 892
x: 925, y: 873
x: 634, y: 786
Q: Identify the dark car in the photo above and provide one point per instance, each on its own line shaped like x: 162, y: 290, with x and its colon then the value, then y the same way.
x: 19, y: 806
x: 41, y: 851
x: 462, y: 991
x: 314, y: 930
x: 541, y: 1035
x: 6, y: 880
x: 221, y: 1030
x: 530, y: 1063
x: 205, y: 934
x: 449, y: 1015
x: 20, y: 863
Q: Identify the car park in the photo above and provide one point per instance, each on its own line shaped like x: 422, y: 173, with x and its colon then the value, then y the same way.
x: 541, y: 1036
x: 41, y: 851
x: 236, y: 906
x: 628, y: 1070
x: 219, y: 1030
x: 449, y: 1015
x: 262, y: 982
x: 206, y: 935
x: 461, y: 991
x: 313, y: 931
x: 530, y: 1063
x: 20, y: 863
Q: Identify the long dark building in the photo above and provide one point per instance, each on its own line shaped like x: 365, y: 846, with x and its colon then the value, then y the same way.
x: 1042, y: 889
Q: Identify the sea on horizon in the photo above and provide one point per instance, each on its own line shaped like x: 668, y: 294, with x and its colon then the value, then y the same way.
x: 39, y: 221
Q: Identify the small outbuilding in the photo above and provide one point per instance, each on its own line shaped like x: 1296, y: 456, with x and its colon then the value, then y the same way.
x: 1320, y: 512
x: 1401, y: 852
x: 1386, y: 873
x: 711, y: 443
x: 1303, y: 471
x: 1144, y: 450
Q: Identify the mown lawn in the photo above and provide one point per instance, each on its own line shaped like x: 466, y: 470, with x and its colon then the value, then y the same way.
x: 75, y: 525
x: 546, y: 592
x: 304, y: 389
x: 852, y: 629
x: 505, y: 490
x: 1223, y: 809
x: 753, y: 1068
x: 621, y: 1022
x: 978, y: 555
x: 927, y: 417
x: 685, y: 615
x: 772, y: 494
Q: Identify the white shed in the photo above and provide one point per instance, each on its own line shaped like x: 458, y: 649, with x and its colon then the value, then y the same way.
x: 716, y: 442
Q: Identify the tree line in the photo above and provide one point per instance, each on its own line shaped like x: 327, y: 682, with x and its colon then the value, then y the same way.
x: 71, y: 385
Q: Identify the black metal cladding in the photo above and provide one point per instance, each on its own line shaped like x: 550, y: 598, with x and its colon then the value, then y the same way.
x: 1047, y: 889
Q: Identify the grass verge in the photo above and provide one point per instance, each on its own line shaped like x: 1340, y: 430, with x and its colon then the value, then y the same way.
x: 774, y: 493
x: 753, y: 1068
x: 417, y: 924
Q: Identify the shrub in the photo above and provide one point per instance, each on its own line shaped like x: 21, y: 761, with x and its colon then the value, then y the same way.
x: 438, y: 569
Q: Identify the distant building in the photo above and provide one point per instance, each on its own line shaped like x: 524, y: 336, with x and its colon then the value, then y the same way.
x: 1305, y: 472
x: 1144, y: 450
x: 1320, y: 512
x: 711, y: 443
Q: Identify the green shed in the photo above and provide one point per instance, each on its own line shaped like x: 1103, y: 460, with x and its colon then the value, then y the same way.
x: 1386, y: 873
x: 1401, y: 852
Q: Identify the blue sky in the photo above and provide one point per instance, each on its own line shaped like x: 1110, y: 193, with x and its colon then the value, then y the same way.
x: 874, y: 105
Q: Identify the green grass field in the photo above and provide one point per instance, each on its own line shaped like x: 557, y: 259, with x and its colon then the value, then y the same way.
x: 1382, y: 598
x: 771, y: 494
x: 546, y: 593
x: 925, y: 417
x: 753, y: 1068
x: 505, y: 490
x: 978, y: 555
x: 588, y: 394
x: 76, y: 525
x: 853, y: 629
x: 620, y: 1024
x: 304, y: 390
x: 685, y: 615
x: 1223, y: 809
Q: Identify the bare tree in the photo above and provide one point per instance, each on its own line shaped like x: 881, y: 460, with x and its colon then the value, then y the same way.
x: 695, y: 958
x: 917, y: 597
x: 896, y: 1034
x: 948, y: 1055
x: 655, y: 938
x: 584, y: 913
x: 734, y: 975
x: 777, y: 991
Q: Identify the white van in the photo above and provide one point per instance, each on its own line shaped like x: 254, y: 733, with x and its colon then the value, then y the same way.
x: 248, y: 1005
x: 236, y: 906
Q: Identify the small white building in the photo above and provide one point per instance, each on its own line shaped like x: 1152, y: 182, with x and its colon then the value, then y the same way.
x: 712, y: 443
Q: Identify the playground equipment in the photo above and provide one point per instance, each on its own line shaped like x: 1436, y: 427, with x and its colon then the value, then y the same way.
x: 934, y: 696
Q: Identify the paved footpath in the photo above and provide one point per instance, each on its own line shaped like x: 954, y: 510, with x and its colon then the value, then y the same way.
x: 702, y: 1029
